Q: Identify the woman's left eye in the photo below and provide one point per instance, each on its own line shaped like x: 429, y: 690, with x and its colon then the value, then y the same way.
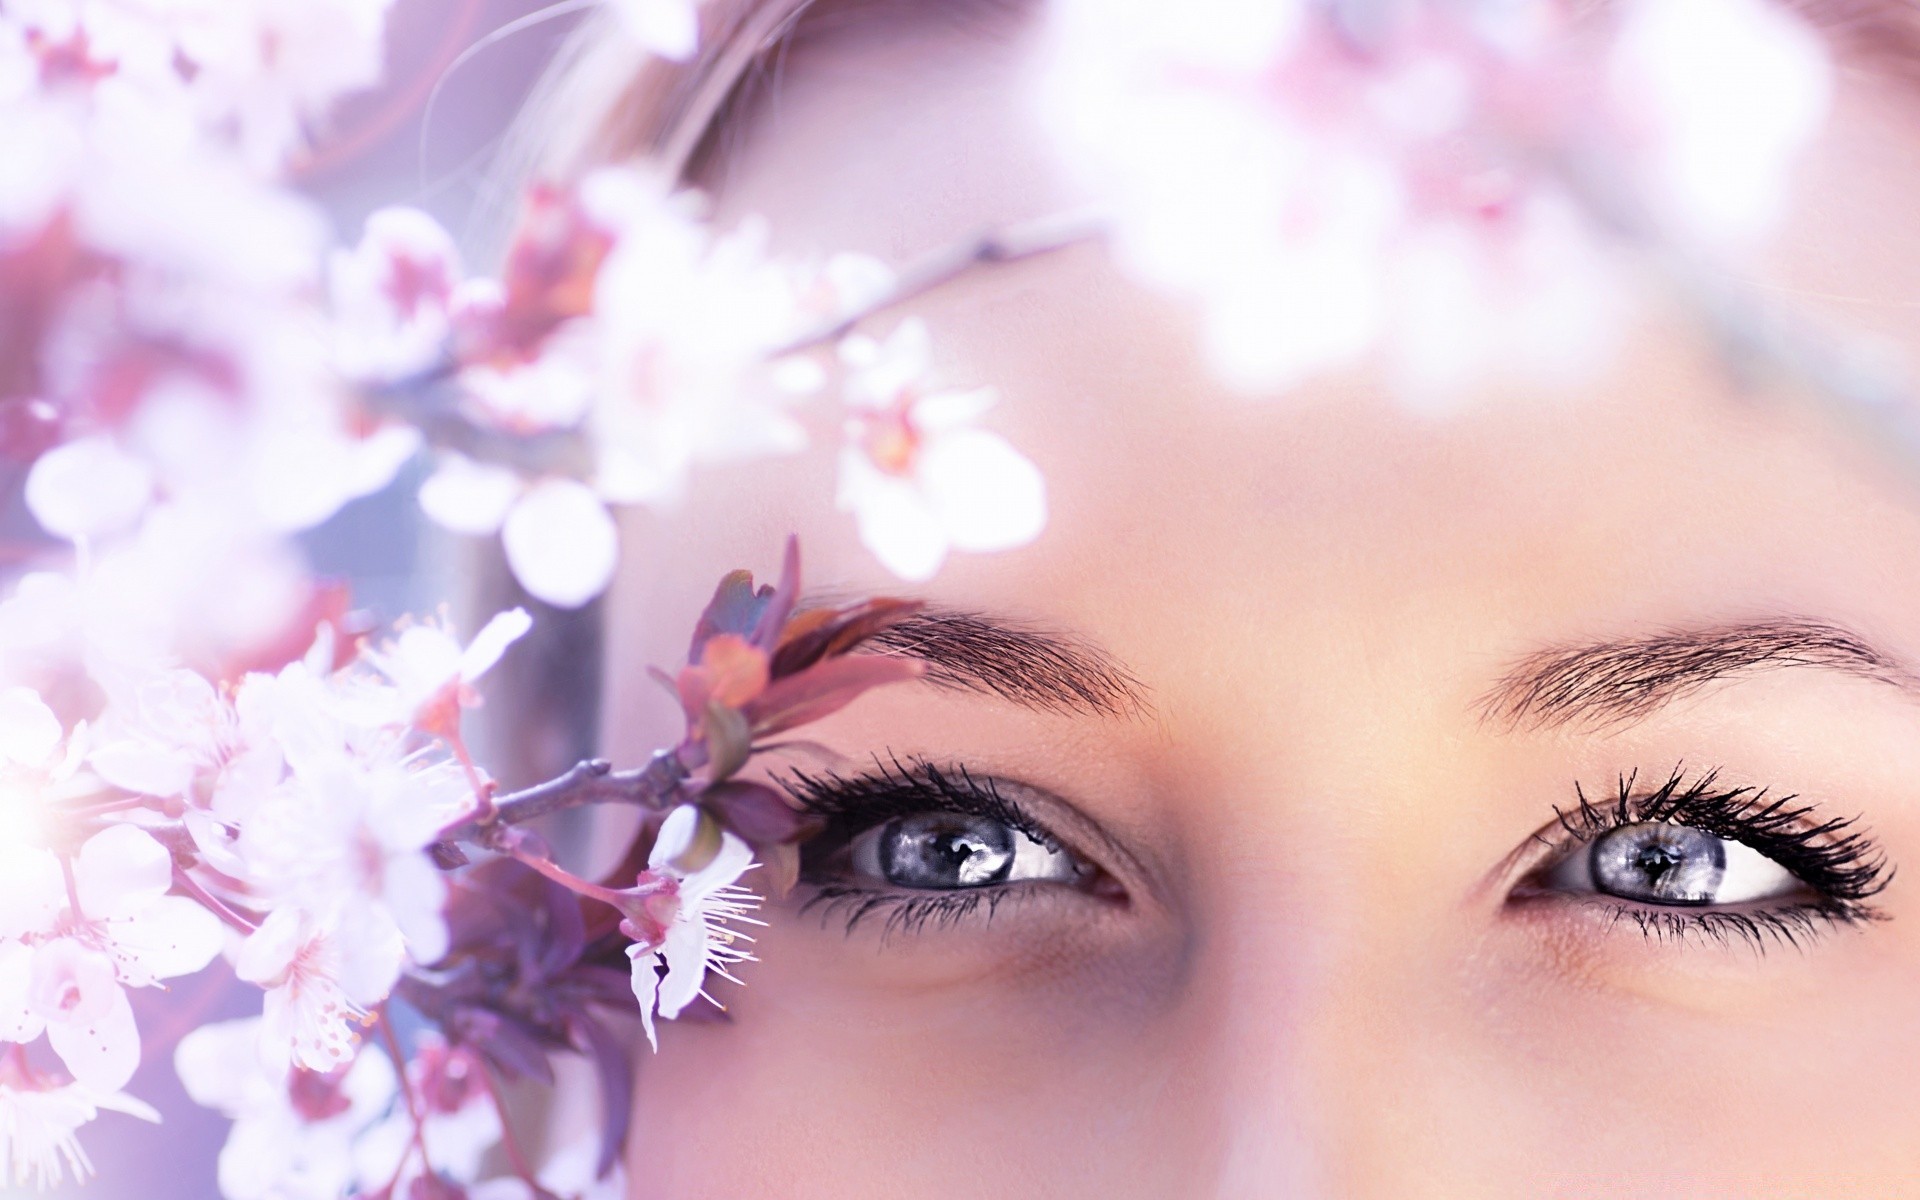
x: 1657, y: 862
x: 949, y: 851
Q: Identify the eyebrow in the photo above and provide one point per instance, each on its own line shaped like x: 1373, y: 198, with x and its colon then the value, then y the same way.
x: 1037, y: 668
x: 1612, y: 682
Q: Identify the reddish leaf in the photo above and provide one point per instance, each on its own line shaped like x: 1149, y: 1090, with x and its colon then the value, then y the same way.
x: 843, y: 632
x: 824, y: 688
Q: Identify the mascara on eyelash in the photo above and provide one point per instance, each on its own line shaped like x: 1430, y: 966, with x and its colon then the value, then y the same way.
x: 894, y: 788
x: 1831, y: 855
x: 1836, y: 860
x: 854, y: 804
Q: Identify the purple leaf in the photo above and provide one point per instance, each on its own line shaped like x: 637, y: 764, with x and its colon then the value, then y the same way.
x: 735, y: 608
x: 615, y: 1071
x: 758, y: 813
x: 786, y: 594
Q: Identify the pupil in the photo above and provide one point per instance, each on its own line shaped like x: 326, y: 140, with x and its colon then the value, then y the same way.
x: 1655, y: 861
x: 945, y: 850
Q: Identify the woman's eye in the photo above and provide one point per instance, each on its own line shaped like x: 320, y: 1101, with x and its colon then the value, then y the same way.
x: 1655, y: 862
x: 948, y: 851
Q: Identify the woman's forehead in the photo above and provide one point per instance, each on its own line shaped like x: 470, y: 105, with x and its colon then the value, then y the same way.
x: 1653, y: 493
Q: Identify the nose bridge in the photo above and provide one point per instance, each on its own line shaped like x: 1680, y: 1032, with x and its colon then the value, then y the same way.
x: 1321, y: 990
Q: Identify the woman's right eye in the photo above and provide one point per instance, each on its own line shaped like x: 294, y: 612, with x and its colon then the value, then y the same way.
x: 950, y: 851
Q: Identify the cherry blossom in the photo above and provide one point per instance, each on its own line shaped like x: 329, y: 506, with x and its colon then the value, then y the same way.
x: 344, y: 840
x: 459, y: 1122
x: 683, y: 919
x: 320, y: 987
x: 1314, y: 186
x: 127, y: 932
x: 293, y: 1129
x: 1725, y: 95
x: 393, y: 296
x: 40, y: 1121
x: 432, y: 675
x: 559, y: 539
x: 917, y: 474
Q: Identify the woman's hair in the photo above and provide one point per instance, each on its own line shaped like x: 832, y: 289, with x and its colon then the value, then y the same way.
x: 605, y: 101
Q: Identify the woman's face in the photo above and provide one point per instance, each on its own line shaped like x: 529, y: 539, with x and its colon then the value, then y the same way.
x: 1315, y: 926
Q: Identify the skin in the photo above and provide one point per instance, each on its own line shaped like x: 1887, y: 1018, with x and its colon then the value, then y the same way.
x: 1317, y: 982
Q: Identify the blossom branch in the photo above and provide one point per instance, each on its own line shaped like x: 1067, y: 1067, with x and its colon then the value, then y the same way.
x: 591, y: 782
x: 996, y: 247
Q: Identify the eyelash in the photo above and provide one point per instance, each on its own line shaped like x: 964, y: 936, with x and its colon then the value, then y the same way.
x: 1843, y: 865
x: 853, y: 804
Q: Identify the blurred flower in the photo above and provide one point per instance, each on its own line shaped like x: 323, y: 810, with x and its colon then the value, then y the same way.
x: 459, y: 1122
x: 393, y: 296
x: 1432, y: 182
x: 39, y: 1124
x: 570, y: 1173
x: 559, y: 539
x: 293, y: 1129
x: 1718, y: 97
x: 919, y: 478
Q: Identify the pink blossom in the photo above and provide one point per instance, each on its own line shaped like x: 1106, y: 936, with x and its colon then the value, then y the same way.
x: 917, y: 474
x: 1313, y: 189
x: 293, y: 1130
x: 459, y: 1121
x: 128, y: 932
x: 393, y: 296
x: 319, y: 986
x: 432, y: 675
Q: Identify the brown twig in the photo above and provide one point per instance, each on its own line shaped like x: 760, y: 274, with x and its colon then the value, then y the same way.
x: 593, y: 781
x: 995, y: 247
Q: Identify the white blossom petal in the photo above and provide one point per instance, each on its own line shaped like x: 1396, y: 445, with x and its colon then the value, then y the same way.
x: 172, y: 936
x: 19, y: 1022
x: 29, y: 732
x: 646, y: 987
x: 561, y: 543
x: 986, y: 494
x: 120, y: 871
x: 103, y: 1052
x: 88, y: 487
x: 469, y: 497
x: 894, y: 519
x: 492, y: 641
x: 33, y: 889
